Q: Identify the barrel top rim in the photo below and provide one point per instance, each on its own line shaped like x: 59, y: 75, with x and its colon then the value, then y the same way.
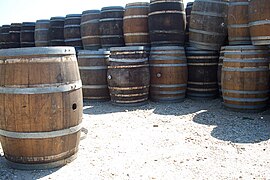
x: 5, y: 25
x: 57, y: 17
x: 112, y: 8
x: 130, y: 48
x: 137, y: 4
x: 73, y: 15
x: 93, y: 52
x: 92, y: 11
x: 32, y: 51
x: 42, y: 20
x: 16, y: 24
x: 29, y: 23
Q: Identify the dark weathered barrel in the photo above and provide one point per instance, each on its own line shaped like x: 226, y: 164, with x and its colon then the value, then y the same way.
x: 93, y: 70
x: 14, y: 32
x: 245, y: 78
x: 208, y: 24
x: 42, y: 33
x: 136, y: 24
x: 259, y: 22
x: 90, y: 29
x: 56, y: 31
x: 111, y: 26
x: 43, y: 104
x: 72, y: 30
x: 128, y: 75
x: 0, y: 37
x: 220, y: 64
x: 168, y: 70
x: 238, y: 30
x: 188, y: 13
x: 27, y: 35
x: 5, y: 36
x: 167, y: 22
x: 202, y: 73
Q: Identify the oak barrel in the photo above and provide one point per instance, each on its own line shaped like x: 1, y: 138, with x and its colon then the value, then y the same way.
x: 202, y: 73
x: 220, y: 64
x: 238, y: 30
x: 27, y: 35
x: 168, y: 70
x: 42, y: 32
x: 111, y: 27
x: 245, y: 78
x: 14, y: 32
x: 93, y: 70
x: 0, y: 37
x: 72, y: 31
x: 208, y: 24
x: 135, y: 25
x: 90, y: 29
x: 5, y: 36
x: 56, y: 31
x: 188, y: 13
x: 128, y: 75
x: 259, y: 22
x: 167, y: 22
x: 41, y: 97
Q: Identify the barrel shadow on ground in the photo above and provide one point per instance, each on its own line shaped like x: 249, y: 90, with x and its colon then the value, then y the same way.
x: 236, y: 127
x: 8, y: 173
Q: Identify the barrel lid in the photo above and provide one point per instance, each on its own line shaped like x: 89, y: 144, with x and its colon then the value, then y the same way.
x: 130, y: 48
x: 43, y: 21
x: 28, y: 24
x: 34, y: 51
x: 58, y: 18
x: 146, y: 4
x: 93, y: 11
x: 91, y: 52
x: 113, y: 8
x: 73, y: 15
x: 167, y: 48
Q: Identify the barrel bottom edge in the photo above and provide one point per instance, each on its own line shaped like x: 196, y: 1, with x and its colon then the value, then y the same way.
x: 243, y: 109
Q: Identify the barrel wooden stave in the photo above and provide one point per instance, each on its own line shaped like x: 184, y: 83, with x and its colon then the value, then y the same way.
x: 245, y: 78
x: 14, y: 33
x: 56, y: 31
x: 188, y: 13
x: 42, y: 33
x: 220, y: 65
x: 5, y: 37
x: 46, y: 108
x: 168, y: 70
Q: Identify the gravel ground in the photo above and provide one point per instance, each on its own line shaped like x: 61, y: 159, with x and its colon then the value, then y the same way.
x: 189, y: 140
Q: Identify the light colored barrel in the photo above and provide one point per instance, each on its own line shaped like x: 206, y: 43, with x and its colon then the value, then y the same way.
x: 41, y: 97
x: 245, y: 78
x: 42, y: 33
x: 168, y: 70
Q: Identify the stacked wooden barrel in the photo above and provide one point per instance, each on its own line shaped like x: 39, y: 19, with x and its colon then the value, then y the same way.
x: 27, y: 36
x: 56, y: 31
x: 14, y: 32
x: 5, y: 37
x: 220, y: 64
x: 42, y: 33
x: 188, y: 13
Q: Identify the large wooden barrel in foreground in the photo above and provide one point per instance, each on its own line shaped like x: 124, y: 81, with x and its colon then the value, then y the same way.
x: 14, y: 32
x: 238, y: 30
x: 90, y: 29
x: 56, y: 31
x: 168, y: 70
x: 208, y: 24
x: 135, y: 25
x: 41, y: 97
x: 167, y: 22
x: 245, y: 78
x: 42, y: 33
x: 202, y: 73
x: 128, y: 75
x: 259, y: 22
x: 93, y: 69
x: 111, y: 27
x: 27, y: 35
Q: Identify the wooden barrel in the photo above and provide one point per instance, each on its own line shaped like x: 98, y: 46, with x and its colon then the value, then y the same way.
x: 128, y: 75
x: 27, y: 35
x: 167, y: 22
x: 259, y: 22
x: 208, y: 24
x: 93, y: 71
x: 188, y: 13
x: 111, y: 27
x: 220, y: 64
x: 5, y: 37
x: 90, y: 29
x: 238, y: 30
x: 135, y: 25
x: 245, y: 78
x: 41, y: 97
x: 202, y: 73
x: 14, y: 32
x: 56, y: 31
x: 42, y: 33
x: 0, y: 37
x: 72, y: 31
x: 168, y: 70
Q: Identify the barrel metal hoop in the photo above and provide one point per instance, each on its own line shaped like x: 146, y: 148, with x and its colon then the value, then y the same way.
x: 246, y: 69
x: 238, y: 26
x: 92, y: 21
x: 73, y: 39
x: 167, y: 12
x: 245, y: 92
x: 239, y: 39
x: 168, y: 85
x: 127, y: 88
x: 40, y: 135
x: 129, y: 60
x: 128, y: 67
x: 110, y: 19
x: 244, y: 99
x: 169, y: 92
x: 203, y: 13
x: 253, y: 60
x: 213, y: 1
x: 260, y: 38
x: 258, y: 23
x: 94, y: 86
x: 135, y: 17
x: 41, y: 88
x: 202, y: 83
x: 130, y: 101
x: 202, y: 89
x: 136, y: 34
x: 238, y: 3
x: 168, y: 65
x: 111, y: 36
x: 130, y: 95
x: 202, y: 64
x: 92, y: 67
x: 41, y: 29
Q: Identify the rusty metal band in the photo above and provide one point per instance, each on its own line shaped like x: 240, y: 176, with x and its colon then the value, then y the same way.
x: 74, y: 17
x: 159, y: 57
x: 128, y: 88
x: 135, y: 17
x: 245, y: 92
x: 93, y: 67
x: 258, y: 23
x: 41, y: 88
x: 247, y: 69
x: 111, y: 19
x: 253, y: 60
x: 244, y: 99
x: 92, y: 21
x: 40, y: 135
x: 238, y: 26
x: 204, y: 13
x: 95, y: 86
x: 202, y: 64
x: 130, y: 95
x: 206, y: 32
x: 202, y: 83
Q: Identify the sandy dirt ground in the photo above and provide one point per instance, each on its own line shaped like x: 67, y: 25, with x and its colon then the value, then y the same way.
x: 188, y: 140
